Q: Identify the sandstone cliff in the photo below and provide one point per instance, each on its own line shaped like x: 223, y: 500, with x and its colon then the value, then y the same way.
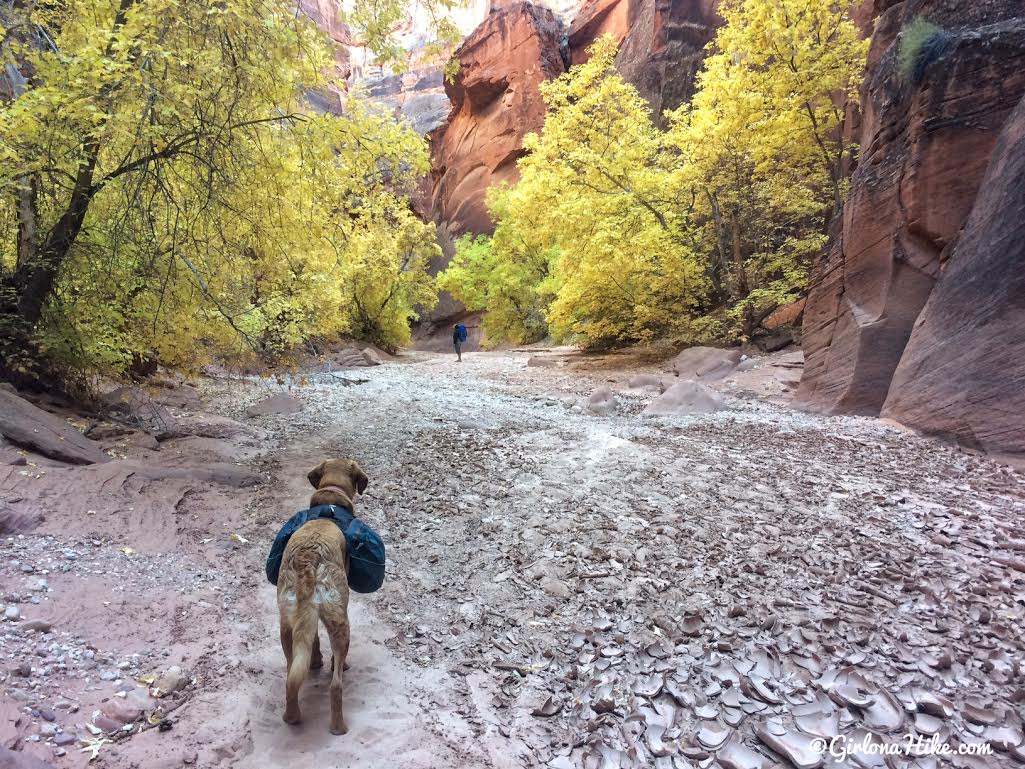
x: 963, y: 370
x: 327, y: 14
x: 495, y: 103
x: 926, y: 141
x: 661, y: 43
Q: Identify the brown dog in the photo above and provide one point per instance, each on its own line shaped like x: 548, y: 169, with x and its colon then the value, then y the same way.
x: 313, y: 587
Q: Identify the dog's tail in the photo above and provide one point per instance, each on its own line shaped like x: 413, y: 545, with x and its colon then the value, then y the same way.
x: 304, y: 626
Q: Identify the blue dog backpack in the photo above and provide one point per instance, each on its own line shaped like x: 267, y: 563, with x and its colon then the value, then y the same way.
x: 461, y: 332
x: 363, y: 545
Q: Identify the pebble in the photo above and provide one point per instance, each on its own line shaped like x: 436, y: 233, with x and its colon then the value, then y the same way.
x: 172, y: 679
x: 64, y: 738
x: 12, y: 613
x: 107, y: 724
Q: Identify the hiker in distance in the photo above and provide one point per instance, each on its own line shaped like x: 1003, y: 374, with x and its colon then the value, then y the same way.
x: 458, y: 337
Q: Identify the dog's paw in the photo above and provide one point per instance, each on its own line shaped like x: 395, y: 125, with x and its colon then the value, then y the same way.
x: 291, y: 718
x: 340, y: 731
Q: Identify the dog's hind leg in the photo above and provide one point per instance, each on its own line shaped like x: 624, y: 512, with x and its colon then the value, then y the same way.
x: 317, y: 660
x: 286, y: 642
x: 303, y: 631
x: 339, y: 633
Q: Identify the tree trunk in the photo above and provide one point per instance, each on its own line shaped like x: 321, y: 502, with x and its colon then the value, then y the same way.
x: 26, y: 199
x: 35, y: 279
x: 24, y: 293
x: 718, y: 264
x: 738, y: 257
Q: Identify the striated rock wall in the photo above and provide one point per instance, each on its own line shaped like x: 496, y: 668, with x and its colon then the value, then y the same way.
x: 661, y: 43
x: 925, y: 148
x: 495, y: 103
x: 963, y: 370
x: 327, y: 14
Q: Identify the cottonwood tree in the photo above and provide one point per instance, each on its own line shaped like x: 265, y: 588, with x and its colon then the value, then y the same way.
x: 618, y: 232
x: 762, y: 145
x: 591, y: 227
x: 164, y: 186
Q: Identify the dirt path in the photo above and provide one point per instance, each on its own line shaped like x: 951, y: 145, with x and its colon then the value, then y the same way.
x: 568, y: 590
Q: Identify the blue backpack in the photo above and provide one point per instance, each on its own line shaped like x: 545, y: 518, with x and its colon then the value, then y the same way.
x: 363, y: 545
x: 461, y: 332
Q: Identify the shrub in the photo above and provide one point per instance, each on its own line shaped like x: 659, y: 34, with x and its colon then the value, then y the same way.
x: 921, y: 43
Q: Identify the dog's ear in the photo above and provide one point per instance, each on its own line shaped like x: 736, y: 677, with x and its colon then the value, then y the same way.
x: 359, y: 477
x: 316, y: 474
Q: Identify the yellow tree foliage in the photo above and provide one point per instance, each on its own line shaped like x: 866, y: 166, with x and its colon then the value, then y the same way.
x: 762, y: 146
x: 165, y: 188
x: 618, y: 232
x: 590, y: 233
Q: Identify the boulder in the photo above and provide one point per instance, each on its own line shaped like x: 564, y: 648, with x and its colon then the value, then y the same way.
x: 771, y: 341
x: 706, y: 364
x: 28, y: 426
x: 963, y: 370
x: 18, y: 522
x: 787, y: 315
x: 371, y: 356
x: 661, y: 43
x: 495, y: 103
x: 602, y: 402
x: 685, y: 398
x: 143, y: 441
x: 279, y: 403
x: 925, y: 145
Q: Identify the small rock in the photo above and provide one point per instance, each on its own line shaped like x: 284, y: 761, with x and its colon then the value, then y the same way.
x: 172, y: 680
x: 602, y: 402
x: 646, y: 382
x: 144, y: 441
x: 555, y: 587
x: 12, y: 613
x: 64, y: 738
x: 35, y: 626
x: 106, y: 724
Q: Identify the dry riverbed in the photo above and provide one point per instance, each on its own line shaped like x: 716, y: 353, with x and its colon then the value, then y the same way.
x: 564, y: 589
